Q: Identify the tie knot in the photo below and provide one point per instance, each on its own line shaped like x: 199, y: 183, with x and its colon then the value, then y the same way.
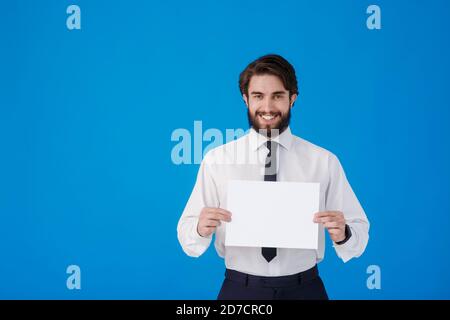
x: 271, y: 145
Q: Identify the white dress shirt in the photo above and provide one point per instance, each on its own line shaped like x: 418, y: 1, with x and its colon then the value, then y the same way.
x: 298, y: 160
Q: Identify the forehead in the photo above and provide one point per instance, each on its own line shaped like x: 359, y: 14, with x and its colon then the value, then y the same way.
x: 265, y: 83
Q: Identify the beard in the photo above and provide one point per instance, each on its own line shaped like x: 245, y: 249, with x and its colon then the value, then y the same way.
x: 269, y: 131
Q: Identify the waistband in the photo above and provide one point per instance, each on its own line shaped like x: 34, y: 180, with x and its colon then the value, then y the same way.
x: 262, y: 281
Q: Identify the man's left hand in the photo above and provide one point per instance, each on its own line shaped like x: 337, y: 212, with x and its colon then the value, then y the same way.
x: 334, y: 222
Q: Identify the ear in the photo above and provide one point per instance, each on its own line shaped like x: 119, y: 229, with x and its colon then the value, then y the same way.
x: 293, y: 98
x: 244, y: 96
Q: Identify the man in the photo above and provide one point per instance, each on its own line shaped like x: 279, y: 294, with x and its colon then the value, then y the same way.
x: 269, y: 89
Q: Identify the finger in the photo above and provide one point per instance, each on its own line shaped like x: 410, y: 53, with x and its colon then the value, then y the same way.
x: 327, y: 214
x: 330, y: 219
x: 209, y: 230
x: 333, y: 224
x: 220, y: 210
x: 326, y: 219
x: 334, y: 231
x: 218, y: 216
x: 212, y: 223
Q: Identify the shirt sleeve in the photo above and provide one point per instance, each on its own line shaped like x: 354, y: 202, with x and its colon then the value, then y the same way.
x: 340, y: 197
x: 203, y: 195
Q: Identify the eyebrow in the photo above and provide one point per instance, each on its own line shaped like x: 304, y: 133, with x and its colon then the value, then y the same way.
x: 276, y: 92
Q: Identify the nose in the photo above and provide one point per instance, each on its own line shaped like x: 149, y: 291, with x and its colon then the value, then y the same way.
x: 267, y: 105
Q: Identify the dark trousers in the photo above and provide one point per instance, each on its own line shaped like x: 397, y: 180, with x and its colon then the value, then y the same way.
x: 306, y: 285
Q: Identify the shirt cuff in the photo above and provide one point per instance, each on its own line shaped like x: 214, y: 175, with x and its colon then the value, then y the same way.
x: 348, y: 235
x: 345, y: 250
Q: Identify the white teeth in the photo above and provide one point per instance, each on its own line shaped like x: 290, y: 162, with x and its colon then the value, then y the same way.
x: 267, y: 117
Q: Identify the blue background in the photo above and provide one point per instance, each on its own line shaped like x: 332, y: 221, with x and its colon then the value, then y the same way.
x: 86, y: 118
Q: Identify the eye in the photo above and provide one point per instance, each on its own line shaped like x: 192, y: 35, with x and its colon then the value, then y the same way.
x: 277, y: 96
x: 257, y: 96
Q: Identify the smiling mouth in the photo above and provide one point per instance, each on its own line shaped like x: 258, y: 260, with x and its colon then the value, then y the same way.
x: 268, y: 116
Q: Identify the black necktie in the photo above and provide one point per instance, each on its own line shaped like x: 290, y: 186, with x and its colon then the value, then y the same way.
x: 270, y: 174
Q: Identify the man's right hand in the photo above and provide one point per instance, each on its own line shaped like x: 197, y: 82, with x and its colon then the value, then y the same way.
x: 209, y: 220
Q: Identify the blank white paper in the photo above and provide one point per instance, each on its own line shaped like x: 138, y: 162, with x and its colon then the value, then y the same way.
x: 272, y: 214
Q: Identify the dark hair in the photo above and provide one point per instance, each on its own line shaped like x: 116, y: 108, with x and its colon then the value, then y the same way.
x: 270, y: 64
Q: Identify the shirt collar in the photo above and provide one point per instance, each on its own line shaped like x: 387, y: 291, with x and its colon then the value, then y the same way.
x: 257, y: 140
